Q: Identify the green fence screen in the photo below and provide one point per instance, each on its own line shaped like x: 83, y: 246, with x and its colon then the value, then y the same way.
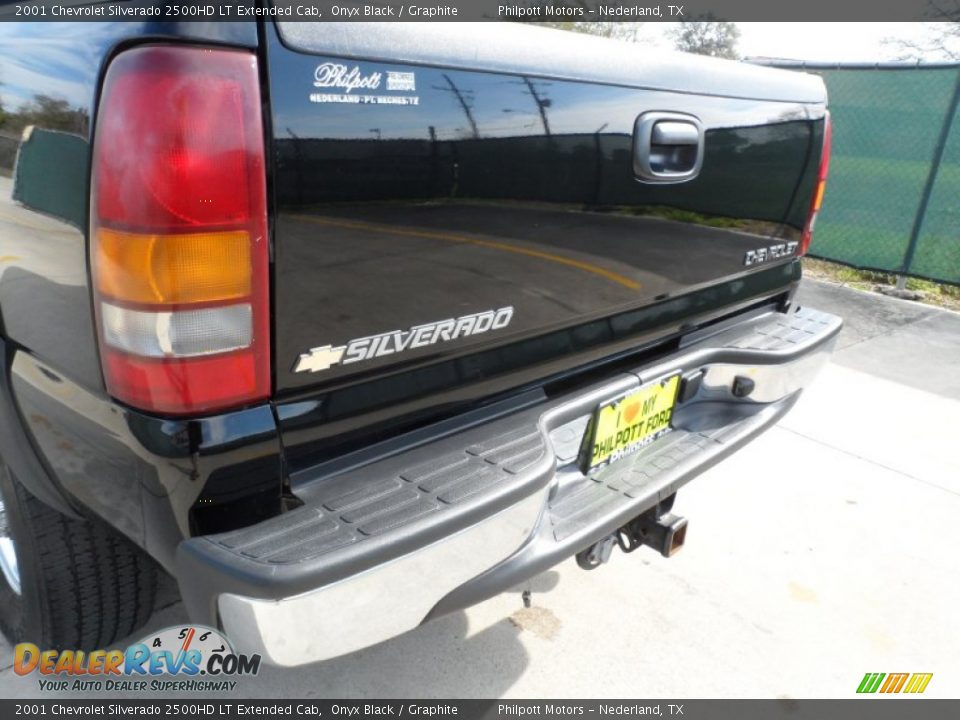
x: 893, y: 195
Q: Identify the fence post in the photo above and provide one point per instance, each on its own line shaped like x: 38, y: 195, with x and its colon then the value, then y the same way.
x: 935, y: 162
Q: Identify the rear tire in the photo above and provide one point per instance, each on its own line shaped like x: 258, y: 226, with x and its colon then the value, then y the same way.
x: 81, y: 584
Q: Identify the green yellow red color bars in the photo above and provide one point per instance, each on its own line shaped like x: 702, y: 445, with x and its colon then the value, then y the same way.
x: 894, y: 683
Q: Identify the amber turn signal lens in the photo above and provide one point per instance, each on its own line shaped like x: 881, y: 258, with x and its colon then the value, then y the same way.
x: 172, y: 269
x: 818, y: 197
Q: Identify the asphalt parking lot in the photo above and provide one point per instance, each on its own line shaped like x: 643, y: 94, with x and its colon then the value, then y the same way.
x: 824, y: 550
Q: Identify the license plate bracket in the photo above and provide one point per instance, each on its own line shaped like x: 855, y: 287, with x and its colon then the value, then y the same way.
x: 625, y: 425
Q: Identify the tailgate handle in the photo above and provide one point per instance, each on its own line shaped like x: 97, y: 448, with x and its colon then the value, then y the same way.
x: 672, y: 132
x: 667, y: 147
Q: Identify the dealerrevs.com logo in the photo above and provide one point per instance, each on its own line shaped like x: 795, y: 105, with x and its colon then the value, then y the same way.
x: 177, y: 659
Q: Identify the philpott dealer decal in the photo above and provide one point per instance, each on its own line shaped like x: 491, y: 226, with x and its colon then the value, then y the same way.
x: 350, y: 84
x: 191, y: 658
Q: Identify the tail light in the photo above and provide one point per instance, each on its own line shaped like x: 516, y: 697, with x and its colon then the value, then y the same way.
x: 178, y: 242
x: 821, y: 186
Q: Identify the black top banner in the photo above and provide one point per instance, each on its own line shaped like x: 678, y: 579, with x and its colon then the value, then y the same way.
x: 484, y: 10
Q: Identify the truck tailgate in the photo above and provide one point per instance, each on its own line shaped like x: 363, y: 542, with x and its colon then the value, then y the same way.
x: 438, y: 201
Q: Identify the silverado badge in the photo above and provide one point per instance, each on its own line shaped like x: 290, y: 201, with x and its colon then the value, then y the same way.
x: 395, y: 341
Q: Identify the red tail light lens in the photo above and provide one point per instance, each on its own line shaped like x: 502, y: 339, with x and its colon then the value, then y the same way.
x: 821, y: 186
x: 178, y: 238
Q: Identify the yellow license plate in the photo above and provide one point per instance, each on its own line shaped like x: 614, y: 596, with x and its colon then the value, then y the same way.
x: 623, y: 426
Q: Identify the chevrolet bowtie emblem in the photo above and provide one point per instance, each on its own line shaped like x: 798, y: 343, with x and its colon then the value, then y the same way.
x: 319, y: 358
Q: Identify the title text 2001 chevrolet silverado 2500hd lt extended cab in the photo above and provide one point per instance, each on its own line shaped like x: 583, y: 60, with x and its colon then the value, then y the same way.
x: 350, y: 326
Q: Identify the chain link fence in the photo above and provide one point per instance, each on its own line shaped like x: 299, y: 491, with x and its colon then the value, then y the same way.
x: 893, y: 196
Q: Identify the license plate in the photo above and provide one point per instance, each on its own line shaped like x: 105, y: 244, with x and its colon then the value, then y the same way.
x: 626, y: 425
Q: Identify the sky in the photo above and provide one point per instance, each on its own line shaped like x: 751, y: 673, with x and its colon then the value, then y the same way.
x: 821, y: 42
x: 841, y: 42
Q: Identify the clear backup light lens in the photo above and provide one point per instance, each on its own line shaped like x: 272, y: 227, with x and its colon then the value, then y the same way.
x: 178, y: 242
x: 184, y: 334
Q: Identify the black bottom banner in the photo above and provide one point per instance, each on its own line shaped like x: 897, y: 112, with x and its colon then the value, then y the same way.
x: 867, y: 708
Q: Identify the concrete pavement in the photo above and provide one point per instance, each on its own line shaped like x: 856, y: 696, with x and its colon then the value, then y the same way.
x: 824, y: 550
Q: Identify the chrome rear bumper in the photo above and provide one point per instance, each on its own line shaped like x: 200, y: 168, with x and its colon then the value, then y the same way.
x: 379, y: 549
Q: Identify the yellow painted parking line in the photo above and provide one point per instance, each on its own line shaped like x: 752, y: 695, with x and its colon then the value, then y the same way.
x: 17, y: 219
x: 493, y: 245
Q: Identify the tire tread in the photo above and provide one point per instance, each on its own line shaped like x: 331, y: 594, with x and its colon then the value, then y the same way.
x: 98, y: 586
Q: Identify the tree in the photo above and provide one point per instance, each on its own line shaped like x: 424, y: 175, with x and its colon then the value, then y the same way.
x: 50, y: 113
x: 717, y: 39
x: 942, y: 42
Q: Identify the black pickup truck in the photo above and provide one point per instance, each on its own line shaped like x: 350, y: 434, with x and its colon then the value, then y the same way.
x: 347, y: 326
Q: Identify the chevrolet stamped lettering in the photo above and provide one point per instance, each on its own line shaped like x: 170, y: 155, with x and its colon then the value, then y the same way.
x: 395, y: 341
x: 772, y: 252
